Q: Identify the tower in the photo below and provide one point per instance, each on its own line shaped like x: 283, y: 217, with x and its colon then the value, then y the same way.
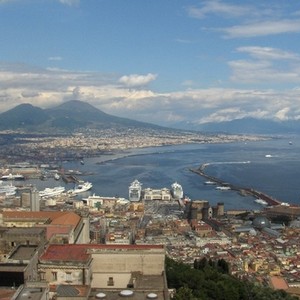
x: 34, y: 200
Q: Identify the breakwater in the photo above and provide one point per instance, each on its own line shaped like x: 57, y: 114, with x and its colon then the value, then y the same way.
x: 242, y: 190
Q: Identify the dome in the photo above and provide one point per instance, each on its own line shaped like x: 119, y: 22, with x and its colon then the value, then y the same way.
x: 152, y: 296
x: 100, y: 296
x: 126, y: 293
x: 261, y: 222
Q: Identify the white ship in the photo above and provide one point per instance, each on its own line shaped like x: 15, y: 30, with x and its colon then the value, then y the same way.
x: 8, y: 190
x: 50, y: 192
x: 177, y: 190
x: 56, y: 176
x: 223, y: 188
x: 12, y: 177
x: 209, y: 182
x: 81, y: 188
x: 261, y: 201
x: 135, y: 191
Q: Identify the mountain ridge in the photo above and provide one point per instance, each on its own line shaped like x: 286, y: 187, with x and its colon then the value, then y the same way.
x: 64, y: 118
x: 245, y: 126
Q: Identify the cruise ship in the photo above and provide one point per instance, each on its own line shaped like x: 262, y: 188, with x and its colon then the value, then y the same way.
x: 135, y: 191
x: 8, y: 190
x: 177, y: 190
x: 50, y: 192
x: 81, y: 188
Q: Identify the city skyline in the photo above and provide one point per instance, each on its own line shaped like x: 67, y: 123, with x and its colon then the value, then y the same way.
x: 197, y: 61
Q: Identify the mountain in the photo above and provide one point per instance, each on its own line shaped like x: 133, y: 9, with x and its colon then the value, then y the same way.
x: 23, y: 115
x: 65, y: 118
x: 246, y: 126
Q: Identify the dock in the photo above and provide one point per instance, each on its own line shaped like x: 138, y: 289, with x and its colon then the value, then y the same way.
x: 242, y: 190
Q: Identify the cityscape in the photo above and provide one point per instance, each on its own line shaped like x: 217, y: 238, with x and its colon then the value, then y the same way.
x: 149, y: 150
x: 57, y: 237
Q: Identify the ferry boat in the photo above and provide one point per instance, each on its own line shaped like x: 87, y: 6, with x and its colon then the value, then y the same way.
x: 81, y: 188
x: 12, y: 177
x: 177, y: 190
x: 50, y: 192
x: 135, y: 191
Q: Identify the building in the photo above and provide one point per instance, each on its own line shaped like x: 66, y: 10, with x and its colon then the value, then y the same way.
x: 62, y: 227
x: 157, y: 194
x: 109, y: 269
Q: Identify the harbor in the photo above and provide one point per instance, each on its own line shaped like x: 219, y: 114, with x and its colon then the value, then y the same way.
x: 244, y: 191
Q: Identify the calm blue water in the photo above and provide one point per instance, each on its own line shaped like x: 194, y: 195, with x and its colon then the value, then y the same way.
x: 277, y: 175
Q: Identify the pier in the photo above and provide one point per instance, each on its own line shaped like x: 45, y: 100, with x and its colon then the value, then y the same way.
x: 243, y: 191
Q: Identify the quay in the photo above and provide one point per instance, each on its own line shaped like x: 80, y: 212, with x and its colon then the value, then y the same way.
x: 243, y: 191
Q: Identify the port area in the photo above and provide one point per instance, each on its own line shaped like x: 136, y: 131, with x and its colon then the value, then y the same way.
x: 244, y: 191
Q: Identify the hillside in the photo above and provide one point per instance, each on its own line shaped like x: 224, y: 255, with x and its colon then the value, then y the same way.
x: 246, y: 126
x: 65, y: 118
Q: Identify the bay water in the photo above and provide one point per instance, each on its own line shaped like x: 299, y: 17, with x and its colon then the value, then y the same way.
x: 271, y: 166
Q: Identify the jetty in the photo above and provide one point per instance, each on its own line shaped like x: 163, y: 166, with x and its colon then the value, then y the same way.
x: 242, y: 190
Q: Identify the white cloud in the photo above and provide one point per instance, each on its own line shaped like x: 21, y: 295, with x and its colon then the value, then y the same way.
x: 70, y: 2
x: 268, y: 53
x: 137, y: 80
x: 218, y: 8
x: 282, y: 114
x: 262, y: 29
x: 46, y: 88
x: 55, y: 58
x: 266, y: 65
x: 65, y: 2
x: 248, y: 71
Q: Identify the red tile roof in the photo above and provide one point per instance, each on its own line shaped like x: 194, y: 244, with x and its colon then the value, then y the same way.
x: 79, y: 253
x: 278, y: 283
x: 56, y: 217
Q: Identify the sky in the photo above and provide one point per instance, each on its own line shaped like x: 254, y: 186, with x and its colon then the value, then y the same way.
x: 165, y: 62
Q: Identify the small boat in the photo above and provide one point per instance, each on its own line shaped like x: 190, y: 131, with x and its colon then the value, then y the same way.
x: 209, y: 182
x: 56, y: 176
x: 261, y: 201
x: 223, y: 188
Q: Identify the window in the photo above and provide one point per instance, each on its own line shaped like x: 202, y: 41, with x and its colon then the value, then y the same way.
x: 110, y: 281
x: 43, y: 275
x: 54, y: 276
x: 68, y: 276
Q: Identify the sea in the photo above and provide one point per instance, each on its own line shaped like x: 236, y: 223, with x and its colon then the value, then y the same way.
x: 270, y: 166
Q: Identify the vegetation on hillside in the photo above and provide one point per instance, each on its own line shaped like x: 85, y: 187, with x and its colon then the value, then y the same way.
x: 209, y: 280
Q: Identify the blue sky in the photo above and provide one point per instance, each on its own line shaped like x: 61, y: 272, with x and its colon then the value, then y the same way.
x: 163, y: 62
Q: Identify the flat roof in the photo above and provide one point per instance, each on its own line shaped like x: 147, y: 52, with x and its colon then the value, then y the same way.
x: 23, y: 252
x: 81, y: 252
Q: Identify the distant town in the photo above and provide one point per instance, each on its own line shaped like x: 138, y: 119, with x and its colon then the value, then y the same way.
x: 91, y: 142
x: 58, y: 244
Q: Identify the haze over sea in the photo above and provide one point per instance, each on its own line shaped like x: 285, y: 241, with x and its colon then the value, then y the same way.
x: 272, y: 167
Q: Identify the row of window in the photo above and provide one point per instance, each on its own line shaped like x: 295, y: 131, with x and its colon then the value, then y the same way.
x: 110, y: 281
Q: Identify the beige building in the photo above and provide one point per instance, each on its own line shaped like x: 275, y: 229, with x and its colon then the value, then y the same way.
x: 157, y: 194
x: 61, y: 226
x: 106, y: 268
